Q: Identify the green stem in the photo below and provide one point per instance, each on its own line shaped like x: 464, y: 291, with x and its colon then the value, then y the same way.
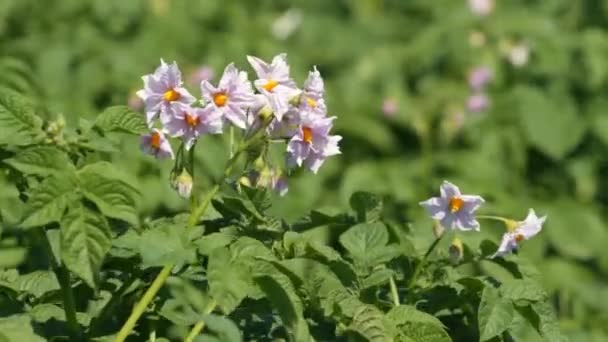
x: 63, y: 276
x: 423, y: 261
x: 198, y: 327
x: 394, y: 292
x: 490, y: 217
x: 195, y: 215
x: 231, y: 141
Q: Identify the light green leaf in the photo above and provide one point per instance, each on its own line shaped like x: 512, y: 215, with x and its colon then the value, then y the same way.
x: 369, y: 322
x: 19, y: 125
x: 223, y: 328
x: 49, y: 200
x: 123, y: 119
x: 114, y: 197
x: 548, y: 325
x: 41, y: 160
x: 228, y: 281
x: 18, y: 328
x: 85, y: 240
x: 37, y: 283
x: 364, y: 238
x: 415, y: 325
x: 495, y: 314
x: 523, y: 289
x: 165, y: 244
x: 550, y: 121
x: 208, y: 243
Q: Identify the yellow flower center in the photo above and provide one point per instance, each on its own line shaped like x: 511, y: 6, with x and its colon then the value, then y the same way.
x: 311, y: 103
x: 155, y: 140
x: 519, y: 237
x: 270, y: 85
x: 455, y: 204
x: 171, y: 95
x: 191, y: 120
x: 220, y: 99
x: 307, y: 133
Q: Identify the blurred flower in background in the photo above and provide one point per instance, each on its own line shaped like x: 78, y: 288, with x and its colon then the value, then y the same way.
x: 390, y: 107
x: 519, y: 55
x: 481, y: 7
x: 285, y: 25
x: 478, y: 102
x: 200, y: 74
x: 479, y: 77
x: 135, y: 102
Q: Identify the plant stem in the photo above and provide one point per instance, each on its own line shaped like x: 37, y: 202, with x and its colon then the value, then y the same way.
x: 195, y: 215
x: 423, y: 261
x: 198, y: 327
x: 63, y: 276
x: 394, y: 292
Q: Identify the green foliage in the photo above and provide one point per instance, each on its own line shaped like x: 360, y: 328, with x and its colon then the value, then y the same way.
x: 82, y: 209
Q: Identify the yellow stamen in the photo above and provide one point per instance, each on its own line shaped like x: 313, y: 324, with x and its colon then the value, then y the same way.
x: 307, y: 133
x: 191, y: 120
x: 455, y: 204
x: 519, y: 237
x: 269, y: 86
x: 171, y: 95
x: 155, y: 140
x: 311, y: 103
x: 220, y: 99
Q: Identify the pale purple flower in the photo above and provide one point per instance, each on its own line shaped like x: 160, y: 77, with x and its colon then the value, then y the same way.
x: 312, y: 144
x: 191, y: 122
x: 311, y: 98
x: 155, y: 143
x: 274, y: 82
x: 232, y: 97
x: 287, y: 23
x: 200, y: 74
x: 479, y: 77
x: 163, y: 91
x: 524, y: 230
x: 478, y: 102
x: 481, y: 7
x: 453, y: 209
x: 389, y: 107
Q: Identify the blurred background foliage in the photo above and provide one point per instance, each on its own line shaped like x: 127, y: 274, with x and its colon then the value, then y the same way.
x: 397, y: 76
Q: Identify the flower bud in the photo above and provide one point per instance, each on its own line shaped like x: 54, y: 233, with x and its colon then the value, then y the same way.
x: 456, y: 250
x: 183, y: 184
x: 438, y: 230
x: 265, y: 112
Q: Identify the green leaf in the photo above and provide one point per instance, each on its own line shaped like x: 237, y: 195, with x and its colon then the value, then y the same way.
x: 37, y: 283
x: 208, y: 243
x: 165, y: 244
x: 282, y: 294
x: 85, y: 241
x: 364, y: 238
x: 523, y: 289
x: 114, y: 197
x: 367, y: 206
x: 18, y: 328
x: 222, y: 328
x: 41, y: 160
x: 495, y: 314
x: 415, y: 325
x: 369, y: 322
x: 19, y: 125
x: 123, y: 119
x: 548, y: 325
x: 550, y: 121
x: 228, y: 281
x: 49, y: 200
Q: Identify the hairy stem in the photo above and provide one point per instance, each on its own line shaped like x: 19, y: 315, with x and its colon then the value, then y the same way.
x: 423, y: 262
x: 198, y: 327
x: 394, y: 292
x: 195, y: 215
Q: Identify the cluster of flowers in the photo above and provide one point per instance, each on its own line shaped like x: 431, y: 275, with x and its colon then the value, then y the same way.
x: 298, y: 116
x: 454, y: 210
x: 479, y: 77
